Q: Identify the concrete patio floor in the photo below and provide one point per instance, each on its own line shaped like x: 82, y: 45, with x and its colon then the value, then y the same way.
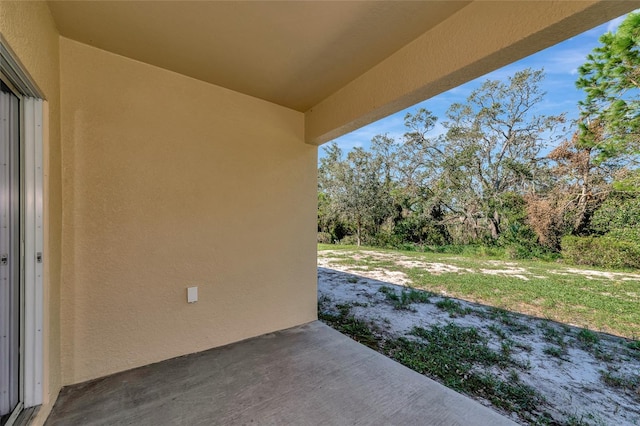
x: 306, y: 375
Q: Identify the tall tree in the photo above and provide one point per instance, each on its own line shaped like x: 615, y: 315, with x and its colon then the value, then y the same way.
x: 583, y: 179
x: 328, y: 217
x: 491, y: 150
x: 610, y: 78
x: 578, y: 186
x: 419, y: 217
x: 356, y: 190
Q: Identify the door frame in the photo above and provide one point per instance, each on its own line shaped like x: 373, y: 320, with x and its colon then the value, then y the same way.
x: 32, y: 227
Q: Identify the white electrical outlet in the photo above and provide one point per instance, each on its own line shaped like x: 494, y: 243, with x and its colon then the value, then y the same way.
x: 192, y: 294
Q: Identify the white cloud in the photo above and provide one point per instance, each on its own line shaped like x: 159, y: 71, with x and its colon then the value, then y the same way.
x: 567, y: 61
x: 612, y: 26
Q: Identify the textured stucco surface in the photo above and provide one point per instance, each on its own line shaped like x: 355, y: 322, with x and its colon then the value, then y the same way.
x: 30, y: 32
x: 169, y: 183
x: 480, y: 38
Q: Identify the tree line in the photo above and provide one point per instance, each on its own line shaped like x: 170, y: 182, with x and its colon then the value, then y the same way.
x: 503, y: 174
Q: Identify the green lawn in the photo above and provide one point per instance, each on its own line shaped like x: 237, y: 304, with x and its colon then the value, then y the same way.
x: 601, y: 300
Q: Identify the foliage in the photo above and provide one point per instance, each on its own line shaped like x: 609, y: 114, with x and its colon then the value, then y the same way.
x: 464, y: 187
x: 420, y: 229
x: 358, y: 196
x: 619, y: 216
x: 458, y: 357
x: 406, y: 298
x: 588, y: 337
x: 581, y: 183
x: 324, y: 238
x: 346, y: 323
x: 611, y: 80
x: 526, y: 248
x: 493, y: 144
x: 502, y: 176
x: 605, y: 252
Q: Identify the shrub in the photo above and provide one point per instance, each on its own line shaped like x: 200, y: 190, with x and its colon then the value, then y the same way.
x: 387, y: 240
x: 421, y: 230
x: 619, y: 217
x: 520, y: 242
x: 631, y: 235
x: 601, y: 251
x: 588, y: 337
x: 453, y: 308
x: 349, y: 240
x: 324, y: 238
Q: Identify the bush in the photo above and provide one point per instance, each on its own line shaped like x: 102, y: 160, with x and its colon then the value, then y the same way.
x: 520, y: 242
x: 601, y: 251
x: 349, y: 240
x: 420, y: 230
x: 619, y: 217
x: 324, y: 238
x: 386, y: 240
x: 631, y: 235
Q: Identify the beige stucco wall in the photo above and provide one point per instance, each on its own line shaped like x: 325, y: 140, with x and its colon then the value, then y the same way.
x: 170, y: 182
x: 30, y: 32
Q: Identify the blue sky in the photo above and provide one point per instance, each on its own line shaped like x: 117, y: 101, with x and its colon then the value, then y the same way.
x: 560, y: 63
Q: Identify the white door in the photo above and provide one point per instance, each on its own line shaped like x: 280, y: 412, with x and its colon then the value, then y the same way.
x: 9, y: 252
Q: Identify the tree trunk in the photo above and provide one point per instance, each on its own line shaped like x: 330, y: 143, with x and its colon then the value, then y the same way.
x: 494, y: 225
x: 581, y: 211
x: 582, y: 216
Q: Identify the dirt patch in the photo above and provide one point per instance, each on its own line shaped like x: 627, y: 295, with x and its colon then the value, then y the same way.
x: 382, y: 274
x: 435, y: 268
x: 623, y: 276
x: 513, y: 272
x: 334, y: 258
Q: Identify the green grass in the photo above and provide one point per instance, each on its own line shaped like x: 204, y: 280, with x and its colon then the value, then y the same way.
x: 588, y: 338
x: 508, y: 320
x: 453, y: 308
x: 556, y: 352
x: 406, y: 298
x: 458, y: 357
x: 550, y: 291
x: 629, y: 383
x: 346, y: 323
x: 553, y: 335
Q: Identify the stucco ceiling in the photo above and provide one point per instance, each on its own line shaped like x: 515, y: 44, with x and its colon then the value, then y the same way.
x: 293, y: 53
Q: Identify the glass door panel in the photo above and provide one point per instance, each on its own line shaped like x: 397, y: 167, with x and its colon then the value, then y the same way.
x: 9, y: 252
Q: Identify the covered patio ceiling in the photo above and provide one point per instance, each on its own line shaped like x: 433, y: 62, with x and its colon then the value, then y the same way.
x: 344, y: 64
x: 294, y: 54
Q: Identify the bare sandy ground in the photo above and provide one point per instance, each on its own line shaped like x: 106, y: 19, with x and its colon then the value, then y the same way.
x: 571, y: 384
